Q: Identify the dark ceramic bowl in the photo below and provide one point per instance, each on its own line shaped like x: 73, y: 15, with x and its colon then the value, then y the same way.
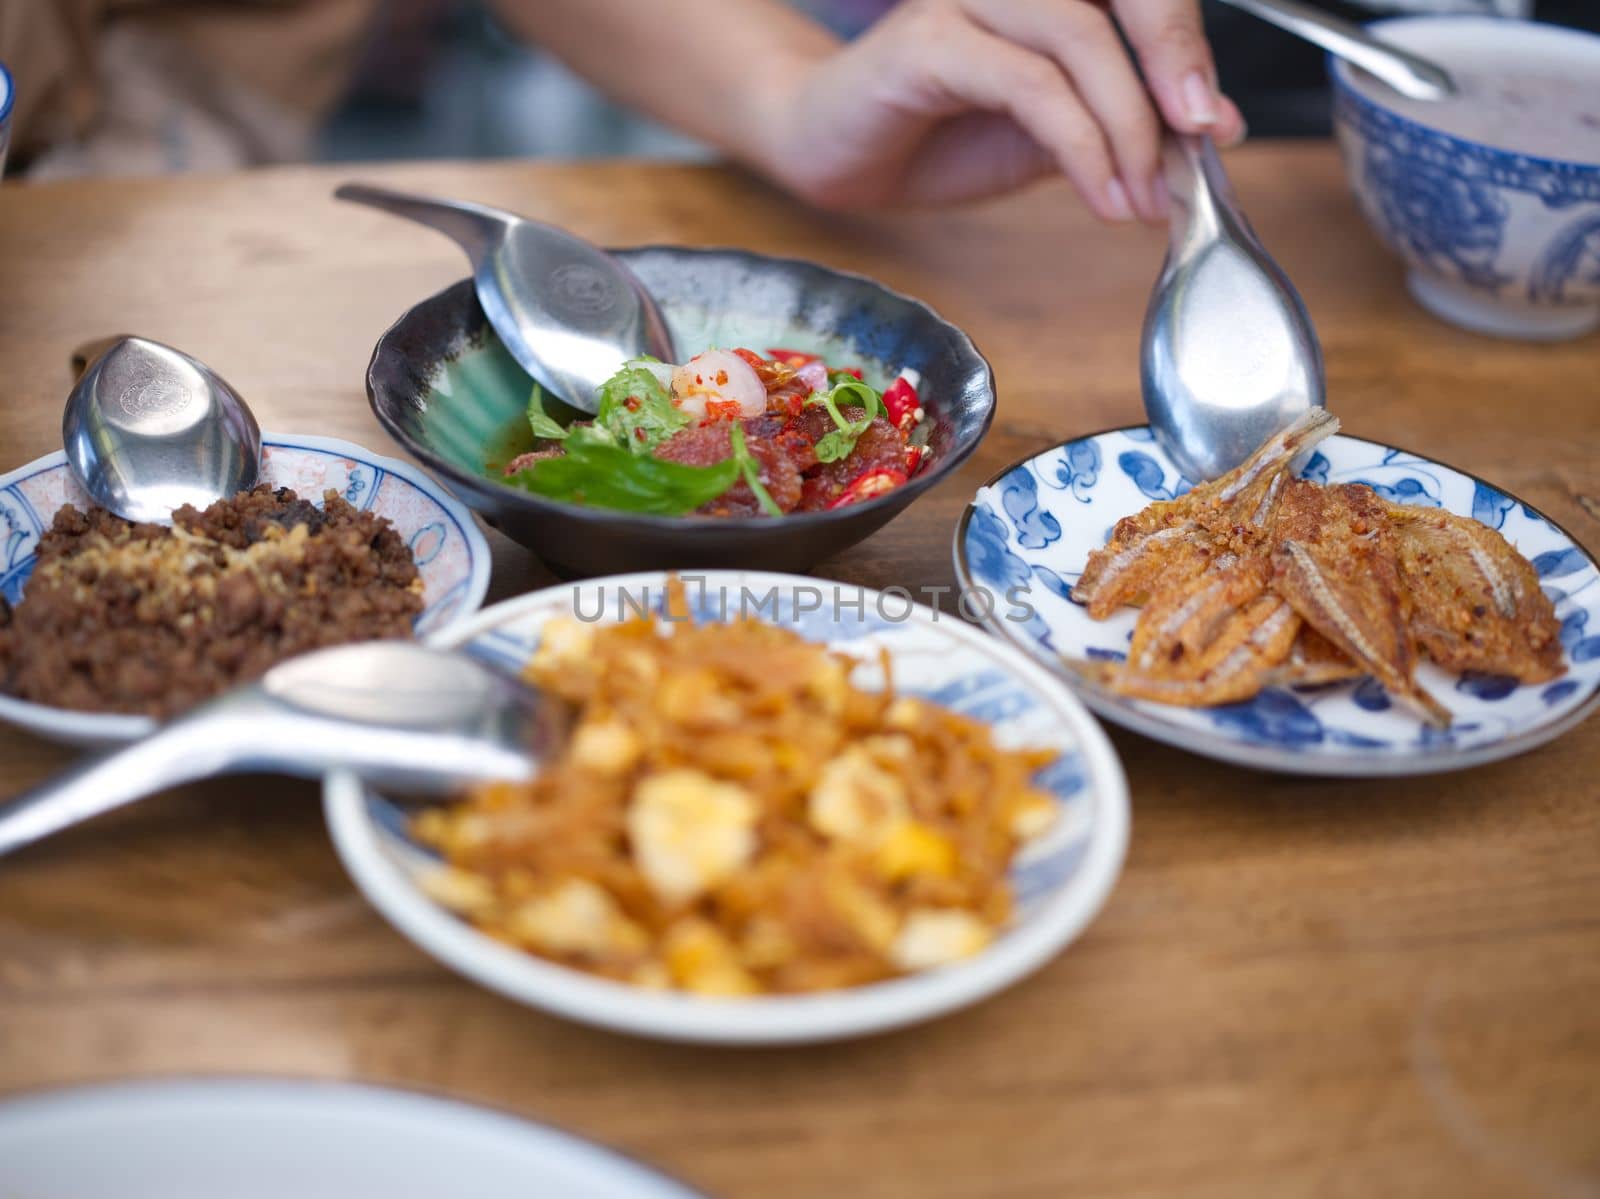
x: 446, y: 389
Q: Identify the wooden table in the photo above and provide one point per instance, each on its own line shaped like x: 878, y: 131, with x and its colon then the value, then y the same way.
x: 1298, y: 988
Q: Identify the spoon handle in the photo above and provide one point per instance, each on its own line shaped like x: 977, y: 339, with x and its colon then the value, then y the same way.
x: 1407, y: 73
x: 249, y: 729
x: 1202, y: 195
x: 474, y: 227
x: 181, y: 752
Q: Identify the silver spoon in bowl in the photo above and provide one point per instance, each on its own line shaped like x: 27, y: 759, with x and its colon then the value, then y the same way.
x: 148, y: 429
x: 1228, y: 355
x: 568, y: 312
x: 1409, y: 74
x: 411, y: 719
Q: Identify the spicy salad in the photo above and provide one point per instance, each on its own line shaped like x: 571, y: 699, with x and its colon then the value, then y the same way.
x: 728, y: 433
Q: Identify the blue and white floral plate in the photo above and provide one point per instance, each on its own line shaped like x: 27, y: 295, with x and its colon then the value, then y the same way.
x: 451, y: 554
x: 1059, y: 881
x: 1027, y: 533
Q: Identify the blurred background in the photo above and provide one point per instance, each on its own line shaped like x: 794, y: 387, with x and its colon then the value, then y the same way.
x: 135, y: 86
x: 467, y: 89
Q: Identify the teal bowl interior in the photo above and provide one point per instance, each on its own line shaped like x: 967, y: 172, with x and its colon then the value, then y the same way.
x: 446, y: 388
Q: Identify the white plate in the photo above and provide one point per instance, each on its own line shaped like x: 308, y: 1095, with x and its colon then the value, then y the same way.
x: 1060, y: 882
x: 1029, y: 531
x: 256, y: 1138
x: 451, y: 554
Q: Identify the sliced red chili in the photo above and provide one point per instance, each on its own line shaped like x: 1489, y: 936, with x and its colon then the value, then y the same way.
x: 750, y: 356
x: 722, y: 409
x: 901, y: 403
x: 868, y: 485
x: 792, y: 357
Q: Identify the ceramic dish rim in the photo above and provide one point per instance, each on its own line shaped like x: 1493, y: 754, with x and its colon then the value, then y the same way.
x: 108, y: 728
x: 901, y: 496
x: 824, y: 1016
x: 517, y: 1123
x: 1339, y: 73
x: 1116, y: 710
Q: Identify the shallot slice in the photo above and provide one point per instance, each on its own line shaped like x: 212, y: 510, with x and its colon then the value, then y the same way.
x: 718, y: 377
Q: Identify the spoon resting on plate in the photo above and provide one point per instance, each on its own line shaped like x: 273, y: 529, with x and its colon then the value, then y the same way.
x: 411, y: 719
x: 148, y: 429
x: 568, y: 312
x: 1228, y: 355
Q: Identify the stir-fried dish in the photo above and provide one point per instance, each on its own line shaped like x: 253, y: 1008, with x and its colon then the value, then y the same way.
x: 1260, y: 578
x: 730, y: 816
x: 728, y: 433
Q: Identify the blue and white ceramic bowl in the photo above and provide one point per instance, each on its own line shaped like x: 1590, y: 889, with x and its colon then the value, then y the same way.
x: 1494, y: 240
x: 6, y: 95
x: 1026, y: 535
x: 1060, y: 881
x: 450, y: 552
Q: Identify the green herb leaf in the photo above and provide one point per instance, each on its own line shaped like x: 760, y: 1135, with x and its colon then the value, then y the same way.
x: 751, y: 470
x: 637, y: 410
x: 541, y: 422
x: 595, y: 472
x: 838, y: 444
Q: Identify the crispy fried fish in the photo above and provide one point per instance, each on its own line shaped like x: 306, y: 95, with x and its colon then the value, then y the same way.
x: 1314, y: 661
x: 1336, y: 560
x: 1235, y: 665
x: 1183, y: 620
x: 1173, y: 541
x: 1475, y: 601
x: 1210, y: 640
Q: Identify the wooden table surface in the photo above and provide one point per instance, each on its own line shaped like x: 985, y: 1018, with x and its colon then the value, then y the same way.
x: 1298, y: 987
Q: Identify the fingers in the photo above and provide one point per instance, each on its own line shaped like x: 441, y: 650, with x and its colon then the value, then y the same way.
x: 1171, y: 44
x: 975, y: 156
x: 1084, y: 43
x: 972, y: 67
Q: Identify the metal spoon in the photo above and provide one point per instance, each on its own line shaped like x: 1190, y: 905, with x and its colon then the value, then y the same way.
x: 403, y: 716
x: 1228, y: 355
x: 570, y: 313
x: 1409, y: 74
x: 148, y: 429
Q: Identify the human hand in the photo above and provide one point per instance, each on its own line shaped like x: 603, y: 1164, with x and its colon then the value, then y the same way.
x: 950, y: 100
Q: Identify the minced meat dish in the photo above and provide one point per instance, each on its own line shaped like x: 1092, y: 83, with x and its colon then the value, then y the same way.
x: 146, y: 619
x: 728, y: 433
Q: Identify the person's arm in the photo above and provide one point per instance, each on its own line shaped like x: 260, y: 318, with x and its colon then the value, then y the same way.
x: 940, y: 101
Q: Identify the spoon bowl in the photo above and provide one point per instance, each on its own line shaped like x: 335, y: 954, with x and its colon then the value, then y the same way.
x: 148, y: 429
x: 568, y: 312
x: 1229, y: 355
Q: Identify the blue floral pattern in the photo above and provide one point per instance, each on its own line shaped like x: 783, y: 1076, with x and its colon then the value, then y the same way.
x: 1572, y: 257
x: 1489, y: 507
x: 1343, y: 728
x: 1447, y: 205
x: 1078, y: 469
x: 1035, y: 526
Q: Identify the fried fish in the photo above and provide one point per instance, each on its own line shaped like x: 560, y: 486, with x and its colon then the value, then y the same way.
x: 1335, y: 559
x: 1260, y: 579
x: 1476, y: 603
x: 1173, y: 541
